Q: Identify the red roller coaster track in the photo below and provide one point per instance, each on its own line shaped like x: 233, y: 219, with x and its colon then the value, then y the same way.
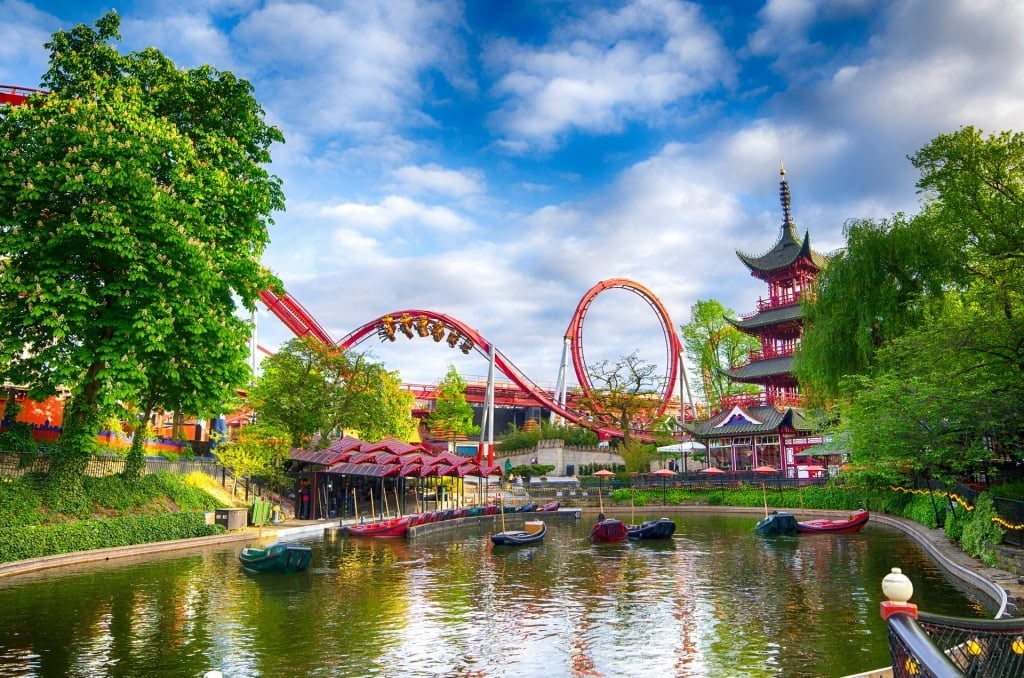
x: 441, y: 327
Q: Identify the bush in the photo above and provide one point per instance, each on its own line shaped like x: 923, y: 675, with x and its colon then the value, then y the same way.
x: 35, y: 541
x: 980, y: 532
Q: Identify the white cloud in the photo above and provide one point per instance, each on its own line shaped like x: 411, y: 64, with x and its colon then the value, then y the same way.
x: 437, y: 179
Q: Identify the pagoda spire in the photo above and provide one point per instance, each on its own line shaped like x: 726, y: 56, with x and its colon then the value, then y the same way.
x: 784, y: 197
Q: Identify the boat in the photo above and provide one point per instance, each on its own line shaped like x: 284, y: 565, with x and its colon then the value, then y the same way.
x: 383, y: 528
x: 526, y: 508
x: 851, y: 523
x: 662, y: 528
x: 776, y: 523
x: 550, y: 506
x: 277, y: 557
x: 532, y: 533
x: 609, y: 530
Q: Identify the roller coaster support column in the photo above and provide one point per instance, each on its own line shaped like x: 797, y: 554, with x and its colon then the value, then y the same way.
x: 487, y: 420
x: 560, y: 384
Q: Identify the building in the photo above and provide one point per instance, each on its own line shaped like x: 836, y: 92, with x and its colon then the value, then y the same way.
x: 769, y: 428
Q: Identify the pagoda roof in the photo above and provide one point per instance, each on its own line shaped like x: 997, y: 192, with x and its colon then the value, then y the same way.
x: 790, y: 248
x: 768, y: 318
x: 759, y: 371
x: 749, y: 421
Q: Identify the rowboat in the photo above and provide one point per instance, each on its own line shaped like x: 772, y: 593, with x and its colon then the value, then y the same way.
x: 662, y: 528
x: 776, y: 523
x: 852, y: 523
x: 533, y: 532
x: 384, y: 528
x: 550, y: 506
x: 609, y: 530
x: 277, y: 557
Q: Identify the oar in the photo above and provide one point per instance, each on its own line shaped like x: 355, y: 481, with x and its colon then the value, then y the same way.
x: 383, y: 500
x: 632, y: 519
x: 373, y: 509
x: 764, y: 493
x: 355, y: 504
x: 398, y: 504
x: 501, y: 501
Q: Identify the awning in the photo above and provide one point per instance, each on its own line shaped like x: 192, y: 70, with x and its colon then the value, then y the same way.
x: 365, y: 470
x: 819, y: 451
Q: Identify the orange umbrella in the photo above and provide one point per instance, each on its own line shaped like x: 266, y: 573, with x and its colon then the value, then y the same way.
x: 664, y: 473
x: 766, y: 469
x: 712, y: 470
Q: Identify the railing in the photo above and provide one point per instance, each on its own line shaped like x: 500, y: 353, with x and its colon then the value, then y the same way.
x: 924, y: 644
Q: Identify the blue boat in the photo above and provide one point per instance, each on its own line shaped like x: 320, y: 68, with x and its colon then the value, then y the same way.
x: 662, y: 528
x: 277, y: 557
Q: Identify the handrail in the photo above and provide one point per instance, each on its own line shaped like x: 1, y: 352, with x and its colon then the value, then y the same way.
x: 913, y: 653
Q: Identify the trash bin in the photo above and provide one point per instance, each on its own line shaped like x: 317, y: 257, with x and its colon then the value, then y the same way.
x: 232, y: 518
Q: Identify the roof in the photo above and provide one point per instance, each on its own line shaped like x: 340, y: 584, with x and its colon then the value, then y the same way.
x: 390, y: 457
x: 769, y: 318
x: 761, y: 370
x: 789, y: 247
x: 749, y: 421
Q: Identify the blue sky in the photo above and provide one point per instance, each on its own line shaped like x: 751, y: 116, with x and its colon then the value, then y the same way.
x: 494, y: 160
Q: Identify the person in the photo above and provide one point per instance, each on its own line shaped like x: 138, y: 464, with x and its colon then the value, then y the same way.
x: 600, y: 517
x: 304, y: 500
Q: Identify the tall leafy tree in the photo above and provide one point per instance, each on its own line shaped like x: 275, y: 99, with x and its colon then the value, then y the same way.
x: 879, y: 287
x: 134, y: 206
x: 716, y: 345
x: 315, y: 391
x: 625, y: 395
x: 452, y: 413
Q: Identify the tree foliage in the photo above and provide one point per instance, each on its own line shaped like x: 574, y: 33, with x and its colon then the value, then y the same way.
x: 930, y: 312
x: 316, y: 391
x: 626, y: 394
x: 134, y: 206
x: 259, y: 449
x: 717, y: 345
x: 452, y: 413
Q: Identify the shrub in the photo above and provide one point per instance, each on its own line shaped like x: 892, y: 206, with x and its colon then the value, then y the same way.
x: 980, y: 532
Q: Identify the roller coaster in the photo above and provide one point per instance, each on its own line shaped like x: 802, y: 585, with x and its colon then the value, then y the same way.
x: 427, y: 324
x: 440, y: 327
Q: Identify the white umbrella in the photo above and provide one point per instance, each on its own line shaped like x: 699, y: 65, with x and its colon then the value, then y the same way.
x: 686, y: 446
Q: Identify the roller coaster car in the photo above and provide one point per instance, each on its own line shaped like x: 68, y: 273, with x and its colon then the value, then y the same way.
x: 453, y: 338
x: 466, y: 346
x: 437, y: 331
x: 387, y: 326
x: 422, y: 326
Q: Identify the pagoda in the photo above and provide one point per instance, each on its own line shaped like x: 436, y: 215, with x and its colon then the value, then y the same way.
x: 789, y: 269
x: 765, y: 431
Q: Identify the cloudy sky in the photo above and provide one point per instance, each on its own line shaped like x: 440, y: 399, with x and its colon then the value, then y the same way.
x: 494, y: 160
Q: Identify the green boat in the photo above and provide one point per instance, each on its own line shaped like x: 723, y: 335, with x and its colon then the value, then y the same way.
x: 277, y: 557
x: 776, y: 523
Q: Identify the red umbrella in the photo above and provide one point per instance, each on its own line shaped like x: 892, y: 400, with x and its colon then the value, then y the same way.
x: 712, y: 470
x: 766, y: 469
x: 601, y: 475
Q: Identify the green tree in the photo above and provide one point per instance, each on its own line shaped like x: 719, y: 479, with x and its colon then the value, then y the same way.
x: 717, y: 345
x: 452, y: 414
x: 260, y: 449
x: 314, y: 389
x: 626, y: 394
x: 134, y: 206
x: 882, y: 285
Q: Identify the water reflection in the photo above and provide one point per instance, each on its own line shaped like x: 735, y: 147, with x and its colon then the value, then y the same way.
x: 715, y: 601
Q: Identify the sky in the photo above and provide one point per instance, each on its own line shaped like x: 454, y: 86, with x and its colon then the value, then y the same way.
x: 495, y: 160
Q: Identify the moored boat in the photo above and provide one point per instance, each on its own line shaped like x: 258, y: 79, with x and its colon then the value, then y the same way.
x: 550, y: 506
x: 533, y: 532
x: 662, y: 528
x: 852, y: 523
x: 608, y: 530
x: 384, y: 528
x: 776, y: 523
x: 277, y: 557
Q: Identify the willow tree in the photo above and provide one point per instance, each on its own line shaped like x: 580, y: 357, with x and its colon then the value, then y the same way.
x: 134, y: 208
x: 626, y: 394
x: 316, y: 392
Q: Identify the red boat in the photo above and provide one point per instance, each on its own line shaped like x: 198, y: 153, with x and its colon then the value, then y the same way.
x: 385, y: 528
x: 854, y: 522
x: 609, y: 530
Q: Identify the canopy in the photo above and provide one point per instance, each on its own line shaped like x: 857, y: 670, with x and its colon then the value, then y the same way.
x: 685, y: 446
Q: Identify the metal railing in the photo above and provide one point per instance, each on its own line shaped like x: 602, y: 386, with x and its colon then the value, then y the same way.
x: 937, y: 645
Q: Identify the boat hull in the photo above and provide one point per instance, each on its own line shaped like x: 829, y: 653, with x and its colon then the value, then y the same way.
x: 852, y: 524
x: 776, y: 524
x: 608, y: 530
x: 396, y: 528
x: 662, y: 528
x: 532, y: 534
x: 279, y: 557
